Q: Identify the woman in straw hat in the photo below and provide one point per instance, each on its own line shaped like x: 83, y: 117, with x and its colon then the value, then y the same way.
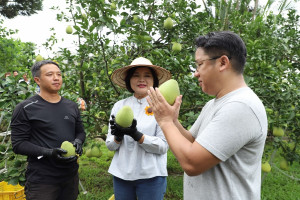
x: 139, y: 165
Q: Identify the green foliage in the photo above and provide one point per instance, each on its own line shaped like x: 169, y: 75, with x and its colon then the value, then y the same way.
x: 13, y: 167
x: 98, y: 182
x: 280, y: 184
x: 90, y: 169
x: 111, y: 38
x: 13, y: 8
x: 114, y: 37
x: 12, y: 91
x: 14, y: 54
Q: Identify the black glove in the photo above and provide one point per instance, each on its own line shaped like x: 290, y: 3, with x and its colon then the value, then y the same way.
x: 56, y: 154
x: 115, y: 129
x: 131, y: 131
x: 77, y: 143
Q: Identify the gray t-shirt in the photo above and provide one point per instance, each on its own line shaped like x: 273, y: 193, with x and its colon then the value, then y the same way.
x: 234, y: 129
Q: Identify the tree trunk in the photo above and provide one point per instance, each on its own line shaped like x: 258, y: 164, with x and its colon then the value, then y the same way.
x: 237, y: 6
x: 255, y: 9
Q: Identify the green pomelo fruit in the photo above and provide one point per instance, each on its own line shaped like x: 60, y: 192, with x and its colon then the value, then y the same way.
x: 284, y: 165
x: 84, y: 16
x: 173, y: 15
x: 110, y: 154
x: 147, y: 38
x: 168, y: 23
x: 68, y: 146
x: 176, y: 47
x: 39, y: 58
x: 266, y: 167
x: 104, y: 129
x: 135, y: 19
x: 113, y: 6
x: 170, y: 90
x: 95, y: 151
x: 278, y: 132
x: 88, y: 153
x: 69, y: 29
x: 292, y: 145
x: 124, y: 116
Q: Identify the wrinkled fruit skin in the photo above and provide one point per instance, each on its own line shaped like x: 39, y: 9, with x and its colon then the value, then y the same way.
x: 113, y: 6
x: 88, y: 153
x: 168, y: 23
x: 266, y: 167
x: 68, y: 146
x: 39, y: 58
x: 176, y: 47
x: 95, y: 152
x: 124, y: 117
x: 284, y: 165
x: 170, y: 90
x: 135, y: 19
x: 278, y: 132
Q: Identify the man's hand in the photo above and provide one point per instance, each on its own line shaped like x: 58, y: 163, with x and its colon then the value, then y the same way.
x: 115, y: 129
x: 163, y: 111
x: 56, y: 154
x: 77, y: 143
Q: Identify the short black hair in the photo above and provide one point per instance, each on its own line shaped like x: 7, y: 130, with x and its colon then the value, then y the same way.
x: 36, y: 68
x: 226, y: 43
x: 130, y: 73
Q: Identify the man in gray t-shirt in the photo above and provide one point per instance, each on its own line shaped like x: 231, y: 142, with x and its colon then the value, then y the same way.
x: 221, y: 154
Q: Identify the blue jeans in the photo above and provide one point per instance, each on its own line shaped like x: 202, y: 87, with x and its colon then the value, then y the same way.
x: 142, y: 189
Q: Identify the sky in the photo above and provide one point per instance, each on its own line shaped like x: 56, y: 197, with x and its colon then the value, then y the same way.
x: 36, y: 28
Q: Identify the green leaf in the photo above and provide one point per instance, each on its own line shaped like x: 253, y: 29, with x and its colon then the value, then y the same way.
x: 13, y: 181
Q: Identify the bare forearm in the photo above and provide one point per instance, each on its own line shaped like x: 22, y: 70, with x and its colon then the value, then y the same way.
x: 184, y: 132
x: 193, y: 158
x: 178, y: 143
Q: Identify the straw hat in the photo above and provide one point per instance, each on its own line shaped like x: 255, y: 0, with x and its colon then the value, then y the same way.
x: 119, y: 75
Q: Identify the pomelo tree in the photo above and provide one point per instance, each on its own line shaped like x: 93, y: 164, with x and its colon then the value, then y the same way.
x: 111, y: 36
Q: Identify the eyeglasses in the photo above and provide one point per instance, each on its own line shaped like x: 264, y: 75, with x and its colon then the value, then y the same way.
x: 201, y: 61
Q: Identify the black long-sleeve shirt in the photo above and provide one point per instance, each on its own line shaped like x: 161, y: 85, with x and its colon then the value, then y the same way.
x: 38, y: 124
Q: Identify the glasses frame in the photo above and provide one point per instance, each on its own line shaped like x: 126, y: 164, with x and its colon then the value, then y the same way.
x: 213, y: 58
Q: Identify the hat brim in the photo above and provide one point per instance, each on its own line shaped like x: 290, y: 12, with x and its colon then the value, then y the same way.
x: 119, y: 75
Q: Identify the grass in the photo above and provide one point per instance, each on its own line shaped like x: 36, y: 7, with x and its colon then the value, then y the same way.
x: 276, y: 185
x: 98, y: 182
x: 280, y: 184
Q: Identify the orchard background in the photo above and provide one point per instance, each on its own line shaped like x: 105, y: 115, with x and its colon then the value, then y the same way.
x: 112, y: 33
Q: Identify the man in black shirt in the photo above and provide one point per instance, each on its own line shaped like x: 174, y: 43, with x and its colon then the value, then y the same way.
x: 38, y: 127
